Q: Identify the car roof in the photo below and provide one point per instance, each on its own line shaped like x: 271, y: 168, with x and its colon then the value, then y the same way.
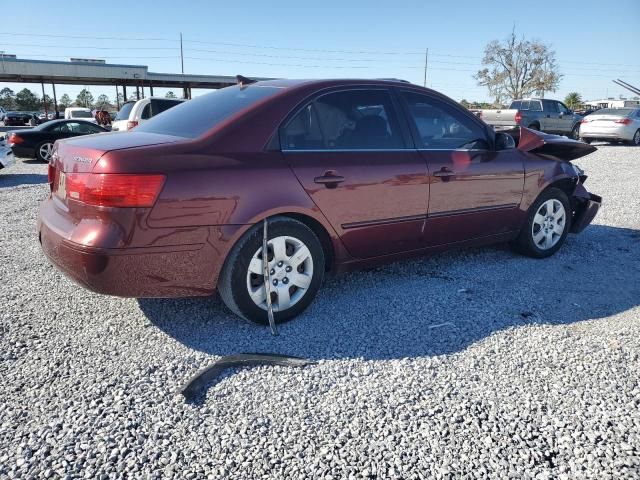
x: 292, y: 83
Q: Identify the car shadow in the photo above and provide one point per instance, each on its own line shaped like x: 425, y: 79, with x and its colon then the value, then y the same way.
x: 429, y: 306
x: 16, y: 179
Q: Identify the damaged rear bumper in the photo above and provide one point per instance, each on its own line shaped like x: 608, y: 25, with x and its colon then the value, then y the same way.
x: 585, y: 207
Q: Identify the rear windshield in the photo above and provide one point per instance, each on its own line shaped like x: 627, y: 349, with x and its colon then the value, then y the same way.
x: 194, y: 117
x: 123, y: 114
x: 80, y: 114
x: 526, y: 105
x: 622, y: 112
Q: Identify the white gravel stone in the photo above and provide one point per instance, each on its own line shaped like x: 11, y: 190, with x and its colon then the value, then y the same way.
x: 474, y: 364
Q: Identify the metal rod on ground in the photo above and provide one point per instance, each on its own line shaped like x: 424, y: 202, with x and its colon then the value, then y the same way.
x: 267, y: 279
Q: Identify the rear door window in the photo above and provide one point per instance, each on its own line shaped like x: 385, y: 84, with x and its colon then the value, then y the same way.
x: 441, y: 127
x: 551, y: 106
x: 358, y: 119
x: 535, y: 106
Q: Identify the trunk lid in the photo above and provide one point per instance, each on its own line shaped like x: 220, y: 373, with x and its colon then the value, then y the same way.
x: 562, y: 148
x: 81, y: 154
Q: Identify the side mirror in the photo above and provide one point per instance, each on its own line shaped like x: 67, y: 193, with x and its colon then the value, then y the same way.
x: 504, y: 141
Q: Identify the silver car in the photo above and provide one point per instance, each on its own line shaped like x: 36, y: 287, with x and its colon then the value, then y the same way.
x: 612, y: 124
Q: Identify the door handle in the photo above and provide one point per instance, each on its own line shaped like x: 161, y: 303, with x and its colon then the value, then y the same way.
x: 330, y: 179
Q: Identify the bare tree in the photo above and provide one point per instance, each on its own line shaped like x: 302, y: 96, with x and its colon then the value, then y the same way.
x: 517, y: 68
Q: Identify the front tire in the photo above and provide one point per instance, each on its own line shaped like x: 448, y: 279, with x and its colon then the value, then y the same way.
x: 547, y: 225
x: 296, y: 263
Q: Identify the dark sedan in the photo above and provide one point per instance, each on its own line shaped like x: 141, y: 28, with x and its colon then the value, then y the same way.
x: 260, y: 190
x: 38, y: 142
x: 18, y: 119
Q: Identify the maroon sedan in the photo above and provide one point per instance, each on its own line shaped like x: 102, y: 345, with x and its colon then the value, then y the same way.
x: 346, y: 174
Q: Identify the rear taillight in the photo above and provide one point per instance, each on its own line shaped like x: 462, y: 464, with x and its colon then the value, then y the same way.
x: 584, y: 120
x: 113, y: 189
x: 518, y: 117
x: 624, y: 121
x: 15, y: 139
x: 131, y: 124
x: 51, y: 176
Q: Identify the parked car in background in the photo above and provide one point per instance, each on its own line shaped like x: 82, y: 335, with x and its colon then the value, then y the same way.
x: 19, y: 119
x: 549, y: 116
x: 3, y: 113
x: 79, y: 113
x: 346, y: 173
x: 612, y: 125
x: 133, y: 114
x: 7, y: 157
x: 38, y: 142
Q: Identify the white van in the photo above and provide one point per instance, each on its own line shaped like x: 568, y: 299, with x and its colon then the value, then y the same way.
x: 134, y: 113
x: 79, y: 113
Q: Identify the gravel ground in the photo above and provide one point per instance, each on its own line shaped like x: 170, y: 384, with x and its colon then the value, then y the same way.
x: 476, y: 364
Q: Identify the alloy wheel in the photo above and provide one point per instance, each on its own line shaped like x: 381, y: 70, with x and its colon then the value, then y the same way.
x: 290, y: 270
x: 636, y: 138
x: 45, y: 151
x: 549, y: 223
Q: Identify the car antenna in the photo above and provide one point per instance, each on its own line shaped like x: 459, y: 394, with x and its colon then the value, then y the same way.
x: 244, y: 81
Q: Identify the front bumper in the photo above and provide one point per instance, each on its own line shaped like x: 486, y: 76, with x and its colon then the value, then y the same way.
x: 586, y: 206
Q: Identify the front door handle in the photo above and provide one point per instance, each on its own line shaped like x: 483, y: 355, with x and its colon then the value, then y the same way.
x: 330, y: 179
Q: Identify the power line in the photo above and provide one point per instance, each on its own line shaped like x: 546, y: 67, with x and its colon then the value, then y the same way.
x: 88, y: 46
x: 87, y: 37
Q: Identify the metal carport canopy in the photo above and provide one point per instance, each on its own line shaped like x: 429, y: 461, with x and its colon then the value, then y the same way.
x: 86, y: 73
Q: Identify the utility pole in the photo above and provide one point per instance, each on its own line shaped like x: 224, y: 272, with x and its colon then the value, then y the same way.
x: 426, y: 63
x: 181, y: 54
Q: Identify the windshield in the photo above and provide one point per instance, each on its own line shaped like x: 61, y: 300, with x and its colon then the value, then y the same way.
x: 80, y: 114
x: 194, y: 117
x: 123, y: 114
x: 621, y: 112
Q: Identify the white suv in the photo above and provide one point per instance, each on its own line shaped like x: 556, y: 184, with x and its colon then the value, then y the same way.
x: 133, y: 113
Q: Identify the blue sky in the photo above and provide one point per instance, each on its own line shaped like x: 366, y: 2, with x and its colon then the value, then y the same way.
x: 595, y: 41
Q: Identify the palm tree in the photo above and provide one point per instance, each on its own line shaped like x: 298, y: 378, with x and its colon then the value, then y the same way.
x: 573, y: 100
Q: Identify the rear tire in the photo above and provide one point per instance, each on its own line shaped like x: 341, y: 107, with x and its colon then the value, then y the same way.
x: 635, y: 141
x: 575, y: 132
x: 297, y: 264
x: 43, y: 151
x: 534, y: 126
x: 547, y: 225
x: 587, y: 140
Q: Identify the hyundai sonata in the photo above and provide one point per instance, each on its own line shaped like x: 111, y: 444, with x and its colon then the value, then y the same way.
x: 345, y: 173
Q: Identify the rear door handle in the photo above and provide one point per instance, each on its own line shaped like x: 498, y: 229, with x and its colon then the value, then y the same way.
x: 330, y: 179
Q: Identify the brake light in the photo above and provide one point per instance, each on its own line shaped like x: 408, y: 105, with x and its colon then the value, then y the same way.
x: 51, y: 175
x: 15, y: 139
x: 518, y: 117
x: 624, y: 121
x: 584, y: 120
x: 113, y: 189
x: 131, y: 124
